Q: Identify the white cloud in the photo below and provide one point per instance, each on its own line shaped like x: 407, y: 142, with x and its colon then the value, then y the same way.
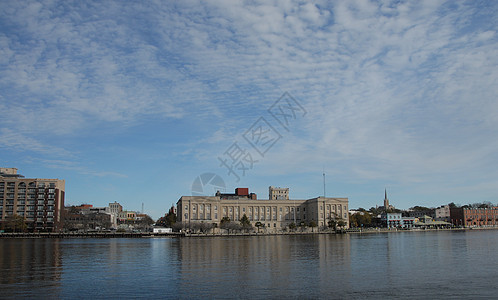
x: 410, y: 87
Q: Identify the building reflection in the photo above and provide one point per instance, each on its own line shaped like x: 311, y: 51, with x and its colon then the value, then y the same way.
x: 271, y: 263
x: 30, y: 261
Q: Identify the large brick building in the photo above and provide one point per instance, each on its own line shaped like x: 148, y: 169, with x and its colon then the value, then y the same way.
x: 39, y: 201
x: 275, y: 213
x: 469, y: 217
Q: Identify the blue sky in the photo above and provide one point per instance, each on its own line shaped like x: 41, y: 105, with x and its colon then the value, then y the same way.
x: 131, y: 101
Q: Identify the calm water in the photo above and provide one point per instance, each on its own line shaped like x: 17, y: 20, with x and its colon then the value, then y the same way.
x: 394, y: 265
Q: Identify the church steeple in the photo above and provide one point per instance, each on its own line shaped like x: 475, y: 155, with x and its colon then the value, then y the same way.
x: 386, y: 201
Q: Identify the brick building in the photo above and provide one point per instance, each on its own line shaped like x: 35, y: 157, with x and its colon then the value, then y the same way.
x: 470, y: 217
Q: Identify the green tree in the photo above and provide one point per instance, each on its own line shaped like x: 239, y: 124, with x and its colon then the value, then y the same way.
x: 292, y: 226
x: 332, y: 223
x: 245, y: 223
x: 360, y: 219
x: 341, y: 223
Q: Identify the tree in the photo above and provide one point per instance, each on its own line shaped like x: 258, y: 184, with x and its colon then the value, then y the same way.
x: 361, y: 219
x: 258, y: 224
x: 341, y: 223
x: 225, y: 223
x: 292, y: 226
x: 169, y: 218
x: 14, y: 223
x: 419, y: 208
x: 332, y: 223
x: 245, y: 223
x: 312, y: 224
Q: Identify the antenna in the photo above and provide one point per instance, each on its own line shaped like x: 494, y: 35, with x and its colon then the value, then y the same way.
x: 142, y: 207
x: 324, y: 183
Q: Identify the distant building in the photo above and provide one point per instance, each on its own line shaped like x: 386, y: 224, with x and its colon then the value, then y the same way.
x: 76, y: 219
x: 115, y: 208
x: 421, y: 213
x: 396, y: 220
x: 277, y: 193
x: 443, y: 213
x: 473, y: 217
x: 127, y: 216
x: 387, y: 206
x: 39, y: 201
x: 274, y: 213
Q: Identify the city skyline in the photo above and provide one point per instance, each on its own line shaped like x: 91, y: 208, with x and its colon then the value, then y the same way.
x: 131, y: 103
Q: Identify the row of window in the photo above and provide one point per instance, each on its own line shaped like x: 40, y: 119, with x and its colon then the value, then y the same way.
x: 31, y: 184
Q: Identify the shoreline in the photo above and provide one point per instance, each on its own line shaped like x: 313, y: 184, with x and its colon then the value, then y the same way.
x: 205, y: 235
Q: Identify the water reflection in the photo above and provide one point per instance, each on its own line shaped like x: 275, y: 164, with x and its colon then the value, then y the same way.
x: 29, y: 262
x: 395, y: 265
x: 264, y: 266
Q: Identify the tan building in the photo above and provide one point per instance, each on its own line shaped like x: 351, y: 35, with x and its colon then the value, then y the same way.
x: 275, y: 214
x: 277, y: 193
x: 39, y: 201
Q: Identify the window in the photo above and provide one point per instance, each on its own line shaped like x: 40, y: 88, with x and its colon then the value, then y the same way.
x: 186, y: 207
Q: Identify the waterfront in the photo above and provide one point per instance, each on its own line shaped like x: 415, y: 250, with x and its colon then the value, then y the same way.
x: 459, y: 264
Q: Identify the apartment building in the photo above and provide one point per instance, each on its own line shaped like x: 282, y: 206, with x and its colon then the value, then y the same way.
x: 39, y: 201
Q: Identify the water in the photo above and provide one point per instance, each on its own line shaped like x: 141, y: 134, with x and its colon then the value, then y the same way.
x: 457, y: 264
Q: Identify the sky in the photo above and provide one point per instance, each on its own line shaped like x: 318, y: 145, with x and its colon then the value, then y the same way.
x: 131, y: 101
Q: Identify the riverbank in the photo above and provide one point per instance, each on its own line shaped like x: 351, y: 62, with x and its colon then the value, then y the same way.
x: 88, y: 234
x: 203, y: 235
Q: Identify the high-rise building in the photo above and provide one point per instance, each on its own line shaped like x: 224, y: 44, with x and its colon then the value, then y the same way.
x: 39, y: 201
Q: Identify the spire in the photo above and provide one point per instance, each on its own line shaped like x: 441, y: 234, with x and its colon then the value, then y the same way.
x: 386, y: 201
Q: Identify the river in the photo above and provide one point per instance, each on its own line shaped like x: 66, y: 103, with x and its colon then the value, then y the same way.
x: 432, y: 264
